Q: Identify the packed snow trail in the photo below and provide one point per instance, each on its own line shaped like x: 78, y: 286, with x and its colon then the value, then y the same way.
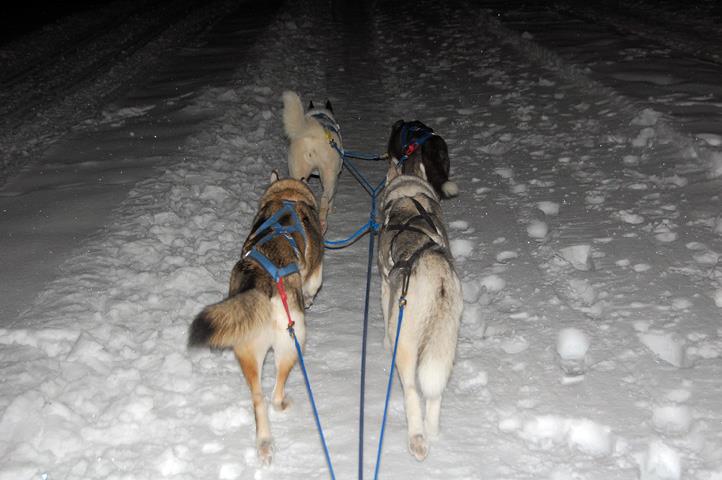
x: 584, y: 247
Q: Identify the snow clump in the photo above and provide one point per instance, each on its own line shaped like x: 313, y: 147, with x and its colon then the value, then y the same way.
x: 660, y: 462
x: 537, y: 229
x: 572, y: 346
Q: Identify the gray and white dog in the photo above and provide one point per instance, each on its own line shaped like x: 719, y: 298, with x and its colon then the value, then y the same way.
x: 415, y: 262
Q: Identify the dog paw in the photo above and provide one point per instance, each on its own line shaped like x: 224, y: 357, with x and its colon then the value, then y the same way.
x: 283, y: 405
x: 265, y: 452
x: 418, y: 447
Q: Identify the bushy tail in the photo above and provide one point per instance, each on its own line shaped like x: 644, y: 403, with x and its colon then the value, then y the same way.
x: 229, y: 322
x: 437, y: 171
x: 449, y: 189
x: 442, y: 325
x: 294, y: 118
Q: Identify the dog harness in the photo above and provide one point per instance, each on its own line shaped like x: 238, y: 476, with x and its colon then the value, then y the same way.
x: 406, y: 265
x: 327, y: 122
x: 413, y: 136
x: 271, y: 229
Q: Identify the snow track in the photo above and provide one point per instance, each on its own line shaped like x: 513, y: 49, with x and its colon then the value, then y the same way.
x: 664, y: 29
x: 586, y: 234
x: 62, y: 80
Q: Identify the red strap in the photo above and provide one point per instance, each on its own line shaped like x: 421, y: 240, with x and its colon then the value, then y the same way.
x: 284, y: 300
x: 411, y: 149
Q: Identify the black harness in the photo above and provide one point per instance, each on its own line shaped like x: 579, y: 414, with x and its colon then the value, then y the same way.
x: 405, y: 266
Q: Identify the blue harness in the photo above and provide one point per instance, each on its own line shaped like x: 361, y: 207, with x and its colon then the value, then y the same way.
x: 412, y: 138
x: 275, y: 229
x: 327, y: 122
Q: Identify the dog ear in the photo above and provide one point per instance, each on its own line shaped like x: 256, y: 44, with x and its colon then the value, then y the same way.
x: 397, y: 126
x: 274, y: 176
x: 329, y: 107
x: 310, y: 105
x: 422, y: 171
x: 393, y: 171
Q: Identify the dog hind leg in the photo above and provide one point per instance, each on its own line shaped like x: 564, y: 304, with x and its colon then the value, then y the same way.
x: 298, y: 166
x: 406, y: 365
x: 431, y: 419
x: 312, y: 285
x: 251, y: 362
x: 285, y: 358
x: 328, y: 182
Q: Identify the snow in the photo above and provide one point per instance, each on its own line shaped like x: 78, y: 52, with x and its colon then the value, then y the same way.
x: 587, y: 234
x: 537, y: 229
x: 660, y: 462
x: 579, y: 256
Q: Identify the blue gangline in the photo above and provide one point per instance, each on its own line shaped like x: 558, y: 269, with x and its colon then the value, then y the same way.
x: 361, y: 156
x: 372, y: 227
x: 313, y: 403
x: 362, y: 390
x: 355, y: 236
x: 388, y: 388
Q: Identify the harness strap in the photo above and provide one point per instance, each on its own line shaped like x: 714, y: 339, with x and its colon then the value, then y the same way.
x: 284, y: 301
x: 424, y: 214
x: 327, y: 122
x: 413, y: 137
x: 271, y: 229
x: 407, y: 265
x: 406, y: 226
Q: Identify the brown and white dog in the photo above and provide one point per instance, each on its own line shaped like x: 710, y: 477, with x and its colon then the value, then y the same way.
x: 252, y: 319
x: 310, y: 150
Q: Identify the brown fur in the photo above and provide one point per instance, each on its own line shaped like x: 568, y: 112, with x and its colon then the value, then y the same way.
x: 251, y: 320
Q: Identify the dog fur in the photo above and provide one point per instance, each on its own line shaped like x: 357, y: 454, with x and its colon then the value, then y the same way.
x: 310, y: 150
x: 427, y: 343
x: 252, y: 320
x: 433, y: 154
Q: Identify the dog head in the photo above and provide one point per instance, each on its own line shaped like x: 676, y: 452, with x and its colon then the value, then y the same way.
x: 399, y: 185
x: 288, y: 189
x: 414, y: 168
x: 328, y: 107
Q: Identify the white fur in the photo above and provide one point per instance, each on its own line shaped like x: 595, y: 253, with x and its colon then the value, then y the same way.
x: 450, y: 189
x: 310, y: 150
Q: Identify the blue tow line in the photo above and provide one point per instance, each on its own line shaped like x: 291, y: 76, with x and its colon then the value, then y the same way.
x: 402, y: 304
x: 372, y: 227
x: 313, y: 403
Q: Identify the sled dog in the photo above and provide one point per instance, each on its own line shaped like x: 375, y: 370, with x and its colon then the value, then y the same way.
x: 421, y: 145
x: 310, y: 150
x: 415, y: 263
x: 251, y: 320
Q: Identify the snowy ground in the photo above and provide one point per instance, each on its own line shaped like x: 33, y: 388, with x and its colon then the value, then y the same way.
x: 588, y: 234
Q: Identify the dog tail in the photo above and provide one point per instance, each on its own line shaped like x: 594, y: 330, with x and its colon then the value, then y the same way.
x: 438, y: 345
x: 294, y: 118
x: 227, y: 323
x: 449, y: 189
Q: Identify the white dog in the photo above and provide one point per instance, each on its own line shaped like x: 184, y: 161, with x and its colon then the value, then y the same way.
x: 311, y: 151
x: 416, y: 263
